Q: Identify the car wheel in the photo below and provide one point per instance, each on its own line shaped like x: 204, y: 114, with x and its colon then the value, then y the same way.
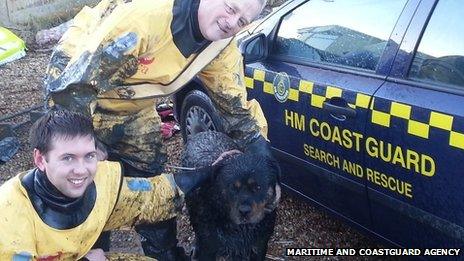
x: 198, y: 114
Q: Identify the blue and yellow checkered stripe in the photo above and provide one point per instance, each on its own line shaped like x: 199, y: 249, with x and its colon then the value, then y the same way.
x: 383, y: 111
x: 318, y: 93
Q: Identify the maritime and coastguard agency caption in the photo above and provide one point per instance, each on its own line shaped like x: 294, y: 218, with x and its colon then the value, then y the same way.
x: 373, y: 252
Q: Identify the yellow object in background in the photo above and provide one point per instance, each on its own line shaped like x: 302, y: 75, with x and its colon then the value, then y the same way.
x: 11, y: 46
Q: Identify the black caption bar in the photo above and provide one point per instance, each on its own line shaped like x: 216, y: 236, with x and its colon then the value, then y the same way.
x: 297, y: 251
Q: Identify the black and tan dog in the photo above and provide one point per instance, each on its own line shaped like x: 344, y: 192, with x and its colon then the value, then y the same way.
x: 233, y: 214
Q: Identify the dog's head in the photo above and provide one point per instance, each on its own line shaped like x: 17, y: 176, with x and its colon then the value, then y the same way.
x: 249, y: 187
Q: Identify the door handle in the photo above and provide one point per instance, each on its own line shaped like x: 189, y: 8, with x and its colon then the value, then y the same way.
x: 339, y: 112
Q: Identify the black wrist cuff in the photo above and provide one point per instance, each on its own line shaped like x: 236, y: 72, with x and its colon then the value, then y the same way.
x: 190, y: 180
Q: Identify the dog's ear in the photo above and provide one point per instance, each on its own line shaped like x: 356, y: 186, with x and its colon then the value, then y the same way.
x: 274, y: 165
x: 217, y: 168
x: 226, y: 158
x: 219, y: 165
x: 274, y: 194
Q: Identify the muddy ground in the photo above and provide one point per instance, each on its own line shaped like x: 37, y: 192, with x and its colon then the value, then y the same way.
x: 298, y: 224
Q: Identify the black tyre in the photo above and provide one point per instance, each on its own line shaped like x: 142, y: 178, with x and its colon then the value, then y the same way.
x: 198, y: 114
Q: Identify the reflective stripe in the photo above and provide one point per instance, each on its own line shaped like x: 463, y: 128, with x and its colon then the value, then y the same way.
x: 382, y: 110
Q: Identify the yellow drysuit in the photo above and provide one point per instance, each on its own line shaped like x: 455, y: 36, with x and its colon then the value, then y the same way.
x: 119, y: 55
x: 119, y: 201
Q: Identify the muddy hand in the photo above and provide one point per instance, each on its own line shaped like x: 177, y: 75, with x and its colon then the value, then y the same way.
x: 225, y: 155
x: 96, y: 255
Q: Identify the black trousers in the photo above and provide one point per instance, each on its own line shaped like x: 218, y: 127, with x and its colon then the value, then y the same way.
x: 158, y: 241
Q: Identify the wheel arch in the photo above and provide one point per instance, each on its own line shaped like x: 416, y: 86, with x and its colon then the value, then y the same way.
x: 179, y: 96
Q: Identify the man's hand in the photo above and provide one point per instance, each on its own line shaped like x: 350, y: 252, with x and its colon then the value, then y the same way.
x: 96, y: 255
x: 225, y: 155
x: 190, y: 180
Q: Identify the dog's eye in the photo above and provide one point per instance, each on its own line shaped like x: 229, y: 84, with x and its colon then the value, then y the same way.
x: 257, y: 188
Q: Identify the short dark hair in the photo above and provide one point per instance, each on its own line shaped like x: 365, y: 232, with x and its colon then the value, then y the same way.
x: 63, y: 123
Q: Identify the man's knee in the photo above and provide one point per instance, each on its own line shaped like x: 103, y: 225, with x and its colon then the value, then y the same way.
x: 159, y: 240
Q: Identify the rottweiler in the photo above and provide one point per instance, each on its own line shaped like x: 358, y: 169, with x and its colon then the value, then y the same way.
x: 233, y: 214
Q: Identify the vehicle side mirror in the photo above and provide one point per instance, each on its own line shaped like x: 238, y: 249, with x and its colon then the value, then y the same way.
x: 254, y: 48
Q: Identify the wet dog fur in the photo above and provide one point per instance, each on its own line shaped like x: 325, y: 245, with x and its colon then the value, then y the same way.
x: 233, y: 214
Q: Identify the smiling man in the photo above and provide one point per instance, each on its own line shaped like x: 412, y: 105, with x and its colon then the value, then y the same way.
x: 116, y: 57
x: 69, y: 163
x: 57, y: 210
x: 223, y: 19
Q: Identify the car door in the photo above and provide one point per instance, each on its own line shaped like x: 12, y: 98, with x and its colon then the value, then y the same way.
x: 326, y: 60
x: 415, y: 134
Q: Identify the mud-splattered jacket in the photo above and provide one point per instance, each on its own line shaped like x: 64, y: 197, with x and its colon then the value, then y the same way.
x: 27, y: 234
x: 121, y: 53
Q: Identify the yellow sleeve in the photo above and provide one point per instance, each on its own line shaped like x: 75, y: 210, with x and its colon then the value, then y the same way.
x: 146, y: 200
x: 17, y: 233
x: 224, y: 79
x: 102, y: 46
x: 14, y: 246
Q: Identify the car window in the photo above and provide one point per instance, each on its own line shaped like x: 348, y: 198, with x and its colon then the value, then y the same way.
x: 350, y: 32
x: 440, y: 54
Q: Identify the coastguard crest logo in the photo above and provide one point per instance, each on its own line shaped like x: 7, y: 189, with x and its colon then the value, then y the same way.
x: 281, y: 87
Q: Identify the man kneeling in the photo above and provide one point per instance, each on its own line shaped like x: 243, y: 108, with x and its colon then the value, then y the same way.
x: 58, y: 209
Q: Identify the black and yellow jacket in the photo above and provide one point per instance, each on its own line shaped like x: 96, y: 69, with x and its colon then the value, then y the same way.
x: 110, y: 202
x: 120, y: 53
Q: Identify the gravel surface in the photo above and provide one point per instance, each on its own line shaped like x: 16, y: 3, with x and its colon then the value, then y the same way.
x: 298, y: 224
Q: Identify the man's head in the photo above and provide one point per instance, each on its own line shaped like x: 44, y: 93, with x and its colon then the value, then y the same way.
x: 220, y: 19
x: 64, y: 149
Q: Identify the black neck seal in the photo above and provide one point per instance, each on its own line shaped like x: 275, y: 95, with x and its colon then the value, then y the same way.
x: 54, y: 208
x: 185, y: 29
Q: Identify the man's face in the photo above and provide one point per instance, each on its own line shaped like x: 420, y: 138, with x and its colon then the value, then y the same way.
x: 70, y: 164
x: 220, y: 19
